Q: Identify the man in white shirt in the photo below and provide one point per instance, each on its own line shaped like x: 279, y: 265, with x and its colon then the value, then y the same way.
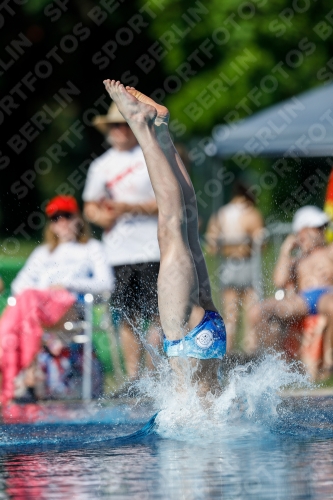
x: 119, y: 197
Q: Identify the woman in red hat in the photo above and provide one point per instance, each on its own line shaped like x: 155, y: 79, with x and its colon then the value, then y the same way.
x: 69, y: 262
x: 69, y: 258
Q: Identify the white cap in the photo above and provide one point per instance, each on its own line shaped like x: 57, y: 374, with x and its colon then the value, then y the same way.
x: 309, y: 216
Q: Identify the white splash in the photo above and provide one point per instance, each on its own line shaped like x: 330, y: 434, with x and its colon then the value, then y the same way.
x: 248, y: 403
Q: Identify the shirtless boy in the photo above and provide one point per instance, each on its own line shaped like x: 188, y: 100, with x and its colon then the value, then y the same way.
x: 192, y: 327
x: 311, y: 273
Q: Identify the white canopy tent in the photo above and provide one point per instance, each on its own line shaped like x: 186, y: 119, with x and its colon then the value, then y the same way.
x: 301, y: 126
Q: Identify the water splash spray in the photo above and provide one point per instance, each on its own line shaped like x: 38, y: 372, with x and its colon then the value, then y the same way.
x: 251, y: 395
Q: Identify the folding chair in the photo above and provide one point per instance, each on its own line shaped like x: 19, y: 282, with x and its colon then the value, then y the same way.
x: 83, y: 329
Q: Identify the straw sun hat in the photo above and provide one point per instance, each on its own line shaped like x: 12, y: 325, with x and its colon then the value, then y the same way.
x: 113, y: 115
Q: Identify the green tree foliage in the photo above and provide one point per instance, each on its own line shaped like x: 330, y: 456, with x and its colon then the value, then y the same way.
x: 205, y: 60
x: 240, y: 56
x: 81, y: 43
x: 225, y: 60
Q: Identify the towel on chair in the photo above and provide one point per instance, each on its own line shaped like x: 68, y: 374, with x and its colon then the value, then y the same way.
x: 21, y: 330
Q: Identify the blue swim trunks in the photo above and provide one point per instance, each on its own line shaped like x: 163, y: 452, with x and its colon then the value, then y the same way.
x: 312, y: 297
x: 205, y: 341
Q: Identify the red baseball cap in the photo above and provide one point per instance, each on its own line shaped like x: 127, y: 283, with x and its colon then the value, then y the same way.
x: 62, y: 203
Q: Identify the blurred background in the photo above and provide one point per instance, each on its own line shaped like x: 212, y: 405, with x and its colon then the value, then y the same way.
x: 212, y: 63
x: 55, y: 56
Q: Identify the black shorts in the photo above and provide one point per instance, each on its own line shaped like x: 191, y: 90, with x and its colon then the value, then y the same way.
x: 135, y: 292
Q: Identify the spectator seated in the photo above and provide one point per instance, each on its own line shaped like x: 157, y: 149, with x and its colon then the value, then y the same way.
x: 305, y: 271
x: 48, y: 287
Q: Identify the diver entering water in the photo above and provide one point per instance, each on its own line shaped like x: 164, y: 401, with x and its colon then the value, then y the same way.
x: 191, y: 324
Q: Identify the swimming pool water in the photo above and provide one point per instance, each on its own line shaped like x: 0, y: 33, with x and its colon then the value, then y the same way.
x: 60, y: 452
x: 248, y: 442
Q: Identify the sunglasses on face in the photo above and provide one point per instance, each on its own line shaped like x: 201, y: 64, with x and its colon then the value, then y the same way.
x: 117, y: 125
x: 61, y: 215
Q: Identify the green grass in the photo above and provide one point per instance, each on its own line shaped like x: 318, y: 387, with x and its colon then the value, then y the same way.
x: 326, y: 383
x: 16, y: 249
x: 13, y: 257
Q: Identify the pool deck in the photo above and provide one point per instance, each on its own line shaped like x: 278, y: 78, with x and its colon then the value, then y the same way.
x: 318, y: 392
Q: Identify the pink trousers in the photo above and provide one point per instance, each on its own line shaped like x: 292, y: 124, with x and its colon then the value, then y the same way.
x: 21, y: 330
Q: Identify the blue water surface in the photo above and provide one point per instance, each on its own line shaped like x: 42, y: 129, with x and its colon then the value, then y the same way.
x: 113, y: 451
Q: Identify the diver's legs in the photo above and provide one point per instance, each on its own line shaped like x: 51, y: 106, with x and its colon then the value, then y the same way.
x: 178, y: 288
x: 189, y: 198
x: 178, y: 284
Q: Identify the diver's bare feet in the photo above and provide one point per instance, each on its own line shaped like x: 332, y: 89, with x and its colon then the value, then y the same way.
x: 162, y: 112
x: 133, y: 110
